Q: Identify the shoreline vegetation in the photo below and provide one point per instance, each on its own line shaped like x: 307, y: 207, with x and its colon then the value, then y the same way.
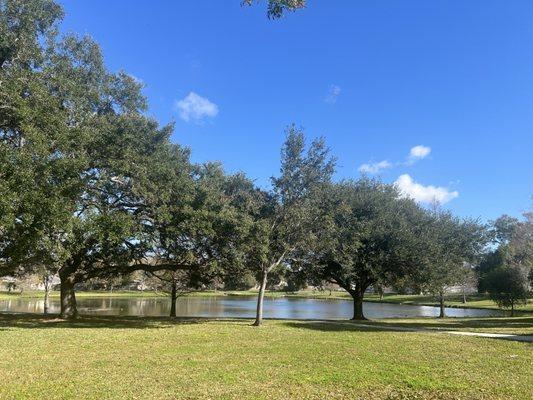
x: 474, y: 301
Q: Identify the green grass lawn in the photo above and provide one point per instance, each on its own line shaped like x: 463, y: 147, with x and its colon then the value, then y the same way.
x: 134, y: 358
x: 514, y: 325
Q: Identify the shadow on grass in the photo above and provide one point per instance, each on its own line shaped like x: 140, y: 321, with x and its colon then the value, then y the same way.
x: 333, y: 326
x: 39, y: 321
x: 465, y: 324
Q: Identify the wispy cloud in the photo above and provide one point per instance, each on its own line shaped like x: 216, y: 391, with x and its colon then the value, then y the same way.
x: 333, y: 94
x: 374, y: 168
x: 418, y: 153
x: 424, y: 194
x: 195, y: 108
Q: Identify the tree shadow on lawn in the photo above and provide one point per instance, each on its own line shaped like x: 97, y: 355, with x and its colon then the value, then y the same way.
x: 39, y: 321
x: 461, y: 323
x: 333, y: 326
x: 455, y: 324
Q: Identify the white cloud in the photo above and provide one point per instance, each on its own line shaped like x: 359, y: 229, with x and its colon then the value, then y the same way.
x: 195, y: 108
x: 374, y: 168
x: 418, y: 153
x: 333, y: 94
x: 424, y: 194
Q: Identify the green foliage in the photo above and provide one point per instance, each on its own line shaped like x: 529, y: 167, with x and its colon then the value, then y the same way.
x: 277, y: 8
x: 490, y: 261
x: 367, y: 235
x: 241, y: 281
x: 283, y: 219
x: 75, y: 148
x: 508, y: 286
x: 37, y: 170
x: 515, y: 239
x: 504, y: 228
x: 449, y: 243
x: 521, y: 243
x: 91, y: 188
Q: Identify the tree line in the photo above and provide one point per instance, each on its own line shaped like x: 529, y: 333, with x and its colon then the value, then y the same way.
x: 92, y: 187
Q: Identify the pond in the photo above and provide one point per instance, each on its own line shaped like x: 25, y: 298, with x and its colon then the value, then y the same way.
x: 238, y: 306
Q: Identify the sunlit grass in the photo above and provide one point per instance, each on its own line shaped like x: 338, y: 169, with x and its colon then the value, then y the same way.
x: 117, y: 358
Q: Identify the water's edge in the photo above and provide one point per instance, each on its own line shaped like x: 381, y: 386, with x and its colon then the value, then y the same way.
x: 239, y: 306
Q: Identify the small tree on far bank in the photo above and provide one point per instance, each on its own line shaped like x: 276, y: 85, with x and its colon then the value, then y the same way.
x: 508, y: 287
x: 449, y: 243
x: 175, y: 283
x: 468, y: 280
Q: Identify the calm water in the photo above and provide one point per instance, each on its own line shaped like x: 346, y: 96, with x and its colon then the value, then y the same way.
x: 228, y: 306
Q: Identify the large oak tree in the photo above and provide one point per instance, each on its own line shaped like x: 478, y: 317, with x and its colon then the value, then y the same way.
x: 367, y: 236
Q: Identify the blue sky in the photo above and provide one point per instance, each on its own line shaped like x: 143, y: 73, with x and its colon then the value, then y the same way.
x: 375, y: 78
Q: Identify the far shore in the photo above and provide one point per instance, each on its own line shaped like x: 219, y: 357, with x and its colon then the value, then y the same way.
x: 477, y: 301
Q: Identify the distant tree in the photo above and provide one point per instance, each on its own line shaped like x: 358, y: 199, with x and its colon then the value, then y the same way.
x: 490, y: 261
x: 367, y: 236
x: 504, y: 228
x: 297, y: 277
x: 508, y: 286
x: 449, y: 243
x: 514, y: 240
x: 468, y: 279
x: 378, y: 289
x: 175, y: 283
x: 521, y: 243
x: 241, y: 281
x: 276, y: 8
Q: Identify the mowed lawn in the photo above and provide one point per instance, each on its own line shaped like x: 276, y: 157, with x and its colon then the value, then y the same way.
x: 134, y: 358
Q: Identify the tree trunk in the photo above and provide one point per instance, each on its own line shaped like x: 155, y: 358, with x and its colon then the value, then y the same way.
x: 442, y: 313
x: 260, y: 298
x: 47, y: 284
x: 512, y: 309
x: 358, y: 296
x: 173, y: 298
x: 69, y: 309
x: 464, y: 296
x: 380, y: 291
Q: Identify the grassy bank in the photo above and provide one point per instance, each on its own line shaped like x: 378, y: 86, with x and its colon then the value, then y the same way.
x: 116, y: 358
x: 514, y: 326
x: 474, y: 301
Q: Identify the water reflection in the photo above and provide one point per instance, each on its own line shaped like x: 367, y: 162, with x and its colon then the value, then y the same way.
x: 228, y: 306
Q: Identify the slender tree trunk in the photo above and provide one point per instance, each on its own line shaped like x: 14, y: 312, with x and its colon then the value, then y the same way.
x: 464, y: 296
x: 47, y: 284
x: 173, y: 298
x: 442, y: 313
x: 380, y: 291
x: 260, y: 298
x: 512, y: 309
x: 69, y: 309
